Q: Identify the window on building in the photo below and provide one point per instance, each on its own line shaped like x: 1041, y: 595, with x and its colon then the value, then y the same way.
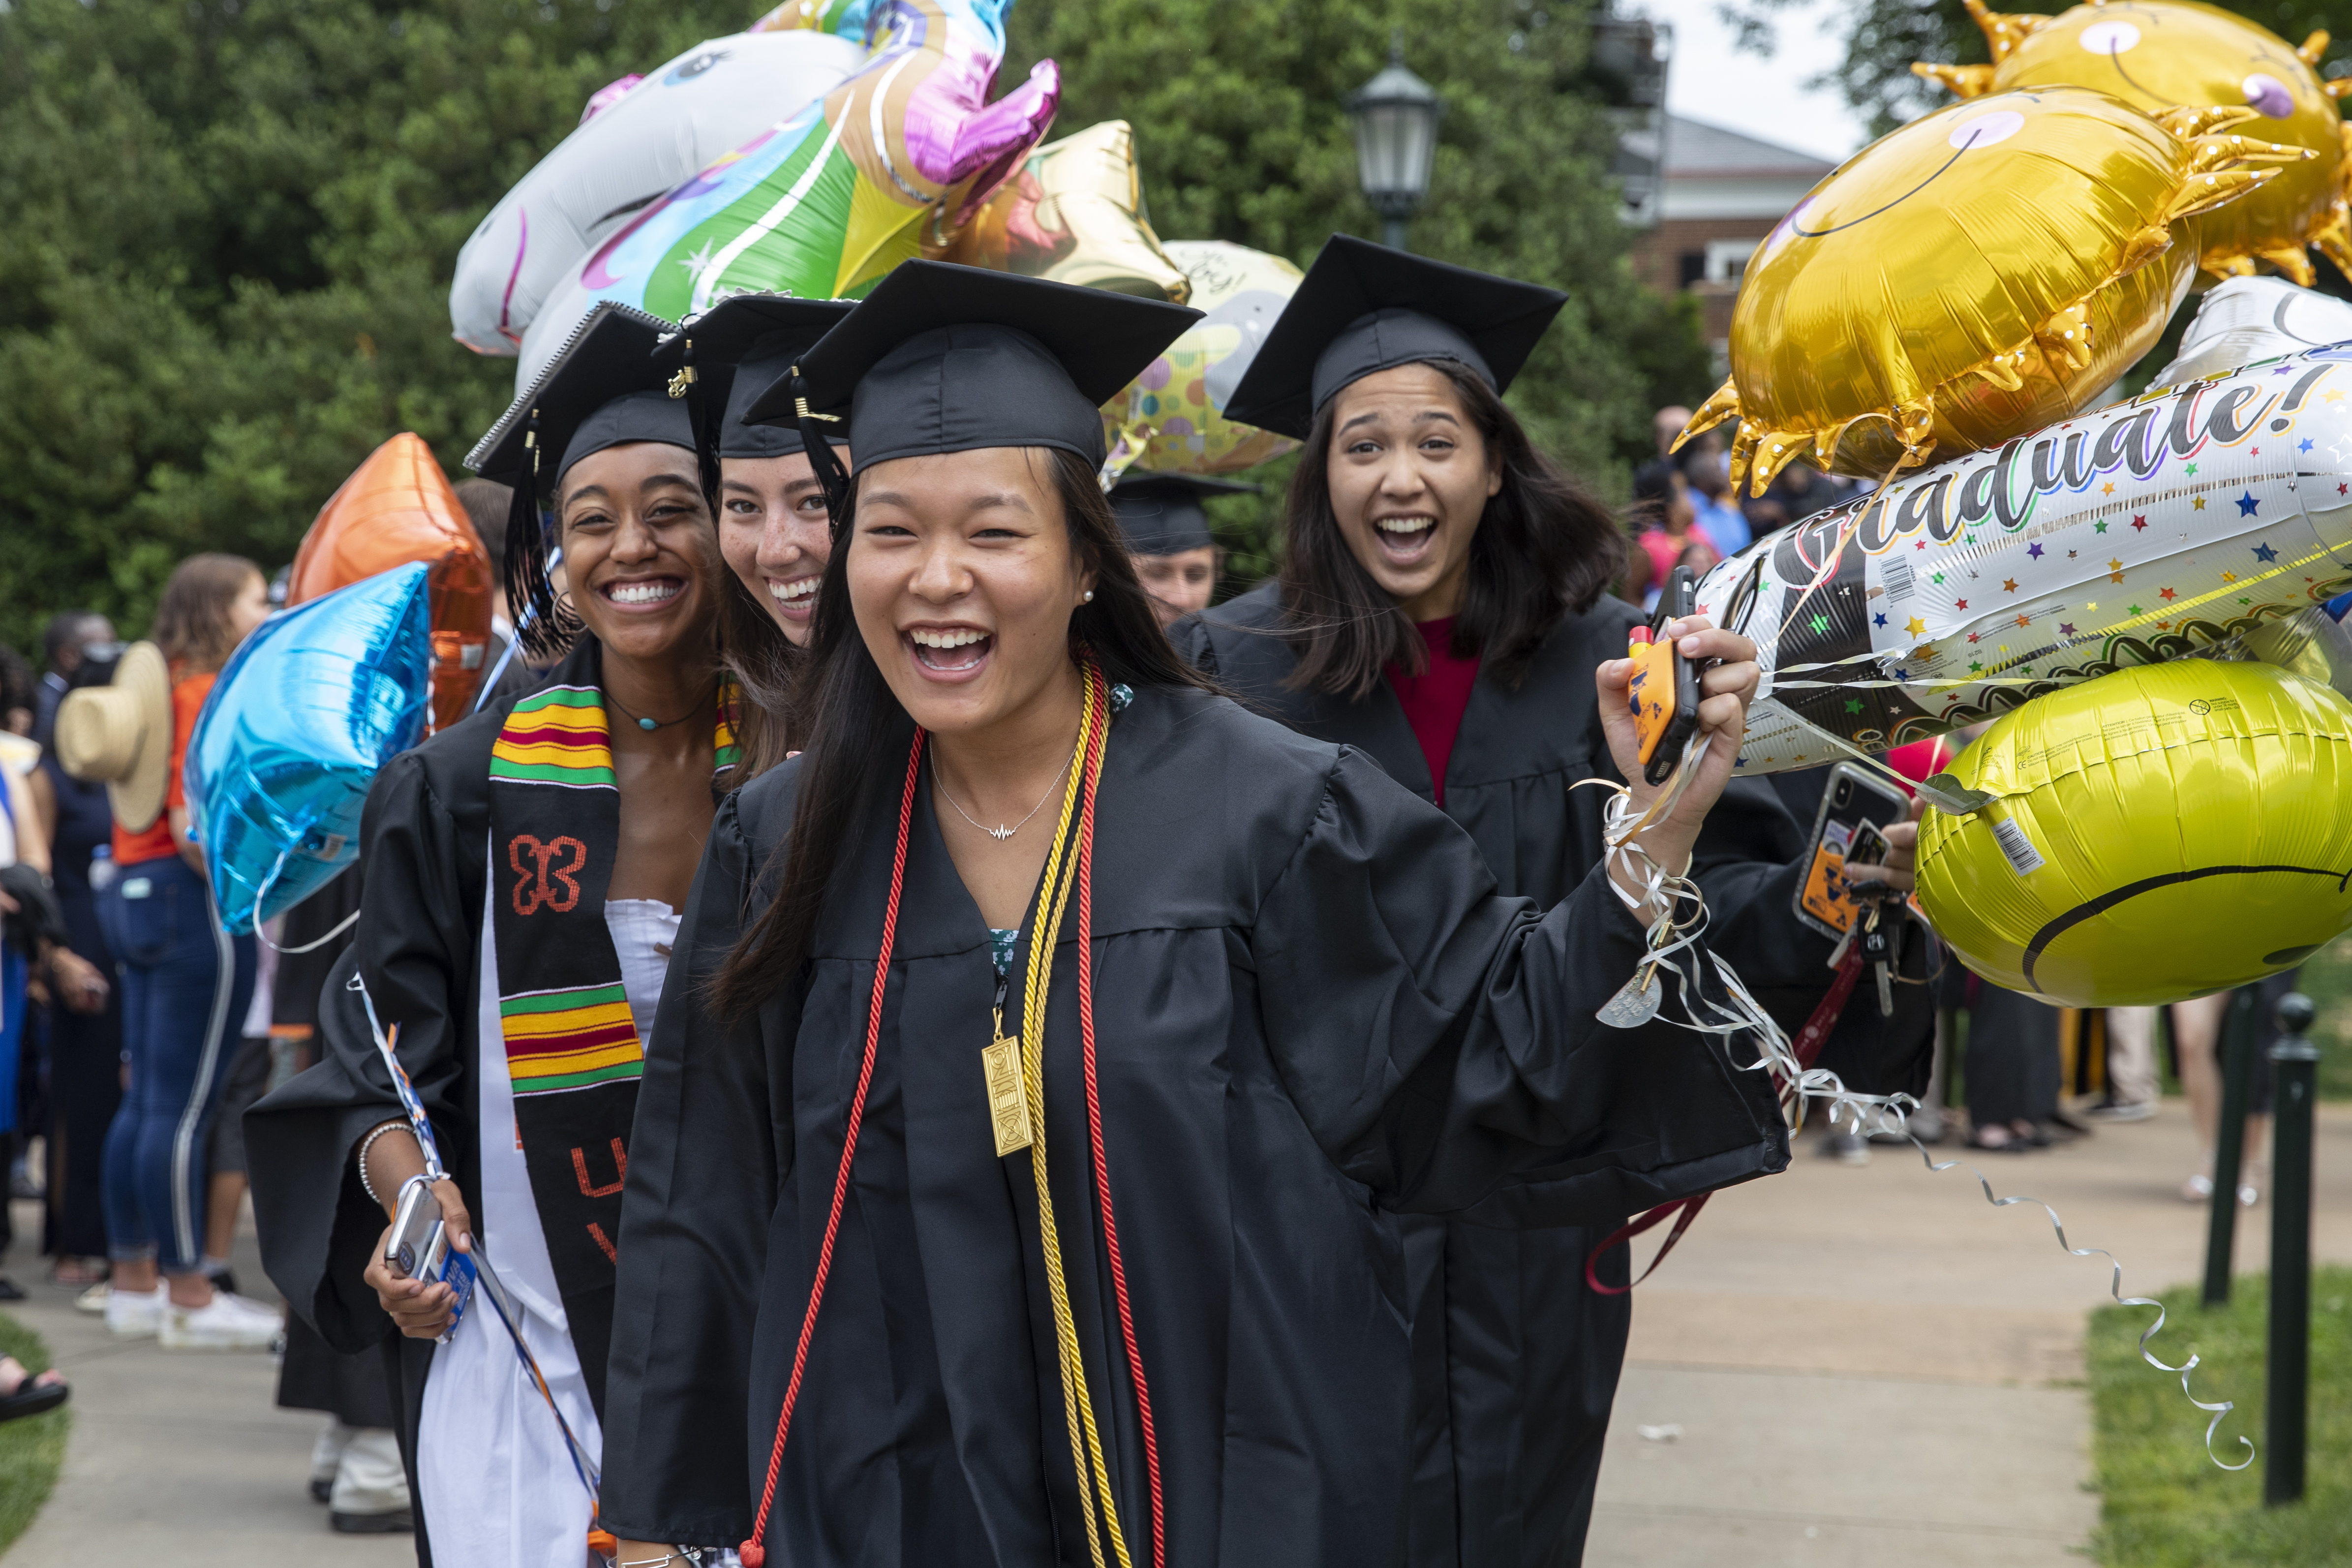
x: 1691, y: 267
x: 1725, y: 260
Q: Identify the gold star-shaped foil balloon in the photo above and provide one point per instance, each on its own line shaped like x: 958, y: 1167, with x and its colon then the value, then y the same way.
x: 2154, y: 54
x: 1985, y: 271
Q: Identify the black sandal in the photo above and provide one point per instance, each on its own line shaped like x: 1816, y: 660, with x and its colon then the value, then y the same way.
x: 31, y: 1396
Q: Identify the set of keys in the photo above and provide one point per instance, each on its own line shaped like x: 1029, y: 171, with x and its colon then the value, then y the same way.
x: 1881, y: 938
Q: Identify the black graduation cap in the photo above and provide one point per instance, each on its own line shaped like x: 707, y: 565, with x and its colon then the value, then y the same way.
x: 1363, y: 308
x: 1160, y: 514
x: 942, y: 358
x: 601, y: 389
x: 737, y: 350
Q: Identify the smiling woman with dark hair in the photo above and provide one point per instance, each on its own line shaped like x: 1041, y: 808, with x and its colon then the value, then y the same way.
x: 524, y: 868
x: 1053, y: 1041
x: 1442, y: 605
x: 774, y: 532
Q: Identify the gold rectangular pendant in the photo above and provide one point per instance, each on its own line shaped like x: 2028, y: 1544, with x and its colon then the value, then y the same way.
x: 1008, y: 1104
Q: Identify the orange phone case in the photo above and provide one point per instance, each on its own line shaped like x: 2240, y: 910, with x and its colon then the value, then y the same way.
x: 1653, y: 694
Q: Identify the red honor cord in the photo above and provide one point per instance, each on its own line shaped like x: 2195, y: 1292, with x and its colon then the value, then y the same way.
x: 753, y: 1553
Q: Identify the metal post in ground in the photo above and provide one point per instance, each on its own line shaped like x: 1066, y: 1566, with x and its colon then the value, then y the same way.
x: 2287, y: 1382
x: 2237, y: 1045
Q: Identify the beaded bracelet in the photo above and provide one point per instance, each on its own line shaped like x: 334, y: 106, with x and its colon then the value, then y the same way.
x: 368, y: 1142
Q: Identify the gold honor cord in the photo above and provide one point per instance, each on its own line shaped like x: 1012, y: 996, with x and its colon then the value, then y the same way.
x: 1077, y: 1403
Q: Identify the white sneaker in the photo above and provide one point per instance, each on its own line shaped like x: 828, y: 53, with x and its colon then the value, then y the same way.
x: 227, y: 1323
x: 93, y: 1300
x: 135, y: 1314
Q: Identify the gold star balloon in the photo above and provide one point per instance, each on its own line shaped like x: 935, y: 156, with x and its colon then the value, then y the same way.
x: 2154, y: 54
x: 1982, y: 271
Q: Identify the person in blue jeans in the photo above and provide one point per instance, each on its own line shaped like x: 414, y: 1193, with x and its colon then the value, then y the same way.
x: 186, y: 983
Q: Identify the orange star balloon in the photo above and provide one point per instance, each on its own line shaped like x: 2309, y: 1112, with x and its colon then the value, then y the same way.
x: 2154, y: 54
x: 398, y: 506
x: 1985, y: 271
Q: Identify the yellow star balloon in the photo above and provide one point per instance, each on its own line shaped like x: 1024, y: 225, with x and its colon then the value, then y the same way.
x: 1983, y: 271
x: 2154, y: 54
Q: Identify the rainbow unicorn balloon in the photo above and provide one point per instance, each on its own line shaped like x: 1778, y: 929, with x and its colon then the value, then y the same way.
x: 889, y: 164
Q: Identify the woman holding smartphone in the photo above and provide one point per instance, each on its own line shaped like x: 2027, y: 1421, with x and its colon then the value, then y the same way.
x: 525, y: 868
x: 1442, y: 600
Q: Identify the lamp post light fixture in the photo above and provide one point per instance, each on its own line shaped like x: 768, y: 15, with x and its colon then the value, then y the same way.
x: 1395, y: 118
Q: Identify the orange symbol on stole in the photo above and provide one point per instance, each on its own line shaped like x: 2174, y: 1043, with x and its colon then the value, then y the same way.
x: 530, y: 888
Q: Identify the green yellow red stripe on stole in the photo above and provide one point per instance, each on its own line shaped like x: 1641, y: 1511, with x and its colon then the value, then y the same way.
x: 556, y: 736
x: 724, y: 743
x: 560, y: 1040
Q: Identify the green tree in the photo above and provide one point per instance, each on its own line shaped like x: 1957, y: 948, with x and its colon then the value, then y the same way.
x: 227, y: 227
x: 1241, y: 132
x: 227, y: 234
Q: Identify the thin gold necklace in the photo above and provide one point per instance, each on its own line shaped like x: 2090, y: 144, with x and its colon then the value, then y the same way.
x: 1000, y: 832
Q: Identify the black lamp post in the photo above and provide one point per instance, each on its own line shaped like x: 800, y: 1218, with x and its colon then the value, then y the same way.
x: 1395, y: 116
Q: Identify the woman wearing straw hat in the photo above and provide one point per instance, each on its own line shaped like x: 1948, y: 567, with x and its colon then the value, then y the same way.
x: 186, y: 982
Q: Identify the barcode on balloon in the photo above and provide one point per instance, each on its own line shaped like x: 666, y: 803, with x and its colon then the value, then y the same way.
x: 2022, y: 856
x: 1898, y: 573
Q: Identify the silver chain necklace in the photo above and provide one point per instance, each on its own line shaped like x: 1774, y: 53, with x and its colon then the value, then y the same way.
x: 1000, y: 832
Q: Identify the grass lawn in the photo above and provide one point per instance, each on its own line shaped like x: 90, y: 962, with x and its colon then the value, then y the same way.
x: 31, y: 1450
x: 2166, y: 1505
x: 2327, y: 981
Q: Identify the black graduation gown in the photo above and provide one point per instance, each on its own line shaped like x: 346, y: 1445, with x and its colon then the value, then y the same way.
x: 1517, y: 1358
x: 424, y: 842
x: 1312, y: 1008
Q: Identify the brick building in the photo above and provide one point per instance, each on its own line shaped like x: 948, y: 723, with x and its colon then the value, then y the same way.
x: 1720, y: 194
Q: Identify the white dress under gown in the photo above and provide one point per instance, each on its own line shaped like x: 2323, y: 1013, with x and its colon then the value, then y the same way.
x: 494, y: 1479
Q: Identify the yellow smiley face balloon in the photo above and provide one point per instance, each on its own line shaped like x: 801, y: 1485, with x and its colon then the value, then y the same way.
x: 2154, y: 54
x: 2156, y: 834
x: 1983, y: 271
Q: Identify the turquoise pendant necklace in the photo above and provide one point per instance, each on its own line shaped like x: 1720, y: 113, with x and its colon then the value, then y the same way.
x: 651, y: 724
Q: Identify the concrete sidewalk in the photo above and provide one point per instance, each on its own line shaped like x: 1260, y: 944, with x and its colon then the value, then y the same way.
x: 181, y: 1459
x: 1867, y: 1362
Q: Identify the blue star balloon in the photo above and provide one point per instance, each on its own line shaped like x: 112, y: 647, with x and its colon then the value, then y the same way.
x: 307, y: 712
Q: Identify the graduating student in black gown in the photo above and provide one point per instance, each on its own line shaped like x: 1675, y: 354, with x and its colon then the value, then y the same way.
x: 524, y: 867
x: 773, y: 532
x: 1167, y: 533
x: 1440, y: 607
x: 1168, y: 1323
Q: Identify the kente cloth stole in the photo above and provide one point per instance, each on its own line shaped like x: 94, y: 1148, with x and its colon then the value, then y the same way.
x: 573, y: 1053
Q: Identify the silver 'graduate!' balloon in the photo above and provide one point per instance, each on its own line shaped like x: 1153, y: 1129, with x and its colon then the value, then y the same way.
x: 310, y: 708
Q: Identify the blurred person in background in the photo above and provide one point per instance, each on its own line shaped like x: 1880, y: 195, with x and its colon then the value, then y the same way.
x: 85, y: 1042
x: 2014, y: 1070
x: 2134, y: 1090
x: 505, y: 672
x: 2197, y: 1042
x: 1667, y: 524
x: 71, y: 638
x: 18, y: 694
x: 1707, y: 474
x: 30, y: 931
x: 247, y: 1081
x: 31, y: 922
x: 355, y: 1465
x: 186, y: 981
